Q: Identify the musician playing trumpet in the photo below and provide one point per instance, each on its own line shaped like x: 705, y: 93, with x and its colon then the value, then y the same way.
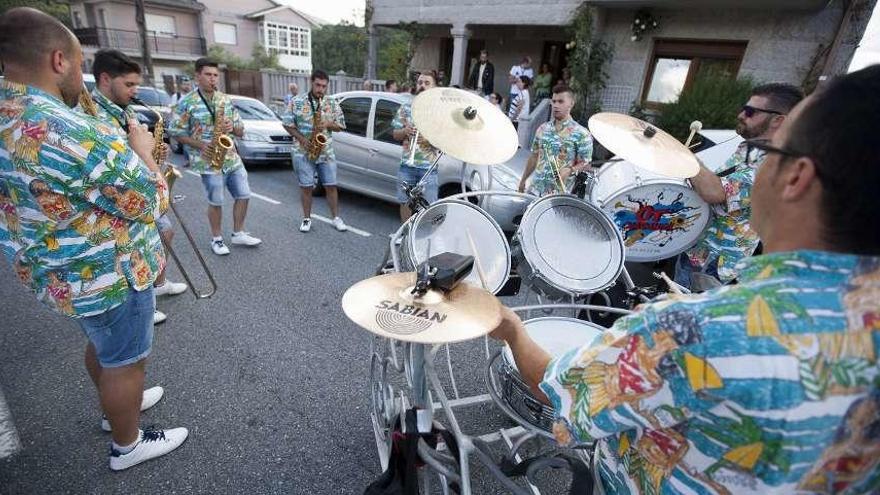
x: 204, y: 121
x: 418, y: 154
x: 312, y: 119
x: 117, y: 78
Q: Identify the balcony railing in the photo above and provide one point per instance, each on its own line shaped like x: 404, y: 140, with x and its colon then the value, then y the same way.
x: 123, y: 40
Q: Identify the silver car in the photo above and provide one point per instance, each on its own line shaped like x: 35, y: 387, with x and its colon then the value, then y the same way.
x: 368, y: 158
x: 264, y: 139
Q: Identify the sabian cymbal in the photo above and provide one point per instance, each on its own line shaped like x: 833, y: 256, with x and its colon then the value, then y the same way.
x: 644, y: 145
x: 465, y: 126
x: 384, y: 306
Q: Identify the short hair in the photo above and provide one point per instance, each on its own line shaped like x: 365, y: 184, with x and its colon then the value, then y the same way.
x: 319, y: 74
x: 389, y: 83
x: 526, y: 80
x: 206, y: 62
x: 836, y: 130
x: 432, y: 73
x: 27, y: 34
x: 114, y: 63
x: 484, y: 52
x: 563, y: 88
x: 782, y: 97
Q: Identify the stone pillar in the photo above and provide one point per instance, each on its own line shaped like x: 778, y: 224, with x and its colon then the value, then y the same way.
x: 372, y: 53
x: 460, y: 36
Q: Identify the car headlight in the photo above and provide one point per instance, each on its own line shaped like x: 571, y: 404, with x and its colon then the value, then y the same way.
x: 504, y: 177
x: 254, y: 136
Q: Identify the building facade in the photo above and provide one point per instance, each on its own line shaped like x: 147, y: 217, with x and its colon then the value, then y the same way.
x: 770, y: 40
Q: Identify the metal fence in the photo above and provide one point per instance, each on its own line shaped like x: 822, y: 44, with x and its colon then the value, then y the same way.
x: 130, y: 41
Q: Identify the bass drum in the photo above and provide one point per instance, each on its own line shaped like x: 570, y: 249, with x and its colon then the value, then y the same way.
x: 658, y: 216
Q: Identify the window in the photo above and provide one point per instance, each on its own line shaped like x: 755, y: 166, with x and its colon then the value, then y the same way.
x: 225, y: 33
x: 253, y: 110
x: 357, y: 115
x: 286, y: 39
x: 386, y: 110
x: 675, y: 64
x: 153, y: 96
x: 161, y: 25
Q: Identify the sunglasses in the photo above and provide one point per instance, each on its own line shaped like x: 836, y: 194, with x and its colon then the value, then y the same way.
x: 750, y: 111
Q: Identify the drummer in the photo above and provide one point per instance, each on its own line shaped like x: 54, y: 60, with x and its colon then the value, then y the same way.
x: 561, y: 148
x: 771, y: 387
x: 729, y: 237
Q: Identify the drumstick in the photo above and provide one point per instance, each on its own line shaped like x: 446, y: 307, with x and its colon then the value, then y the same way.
x: 477, y: 259
x: 673, y: 287
x: 696, y: 126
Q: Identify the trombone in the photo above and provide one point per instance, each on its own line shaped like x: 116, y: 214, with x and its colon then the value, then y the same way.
x: 171, y: 174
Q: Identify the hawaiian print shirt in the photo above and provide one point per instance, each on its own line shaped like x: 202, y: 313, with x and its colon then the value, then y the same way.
x: 77, y: 205
x: 113, y: 114
x: 425, y: 153
x: 769, y: 386
x: 300, y: 115
x: 563, y: 145
x: 729, y: 237
x: 191, y: 118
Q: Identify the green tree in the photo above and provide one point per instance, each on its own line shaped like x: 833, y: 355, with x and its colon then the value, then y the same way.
x: 55, y: 8
x: 339, y: 47
x: 714, y: 99
x: 259, y: 58
x: 588, y: 61
x: 394, y: 54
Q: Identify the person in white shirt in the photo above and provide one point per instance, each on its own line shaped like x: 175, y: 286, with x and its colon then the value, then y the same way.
x: 183, y: 89
x: 522, y: 104
x: 523, y: 69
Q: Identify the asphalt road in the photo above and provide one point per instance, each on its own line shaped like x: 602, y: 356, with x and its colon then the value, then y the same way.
x: 268, y: 375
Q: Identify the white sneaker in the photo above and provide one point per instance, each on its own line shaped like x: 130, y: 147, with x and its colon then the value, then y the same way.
x: 170, y: 288
x: 150, y: 398
x: 339, y: 224
x: 158, y: 317
x: 306, y: 225
x: 219, y: 247
x: 245, y: 239
x: 151, y: 444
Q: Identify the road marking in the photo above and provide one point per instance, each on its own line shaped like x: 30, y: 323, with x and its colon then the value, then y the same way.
x: 256, y: 195
x: 351, y: 229
x: 9, y: 441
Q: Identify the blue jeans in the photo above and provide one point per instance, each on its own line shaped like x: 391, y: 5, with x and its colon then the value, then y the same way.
x: 684, y: 268
x: 411, y: 176
x: 305, y: 171
x: 236, y: 181
x: 124, y: 334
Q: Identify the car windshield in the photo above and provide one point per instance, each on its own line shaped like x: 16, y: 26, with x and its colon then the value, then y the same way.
x: 253, y: 110
x: 153, y: 96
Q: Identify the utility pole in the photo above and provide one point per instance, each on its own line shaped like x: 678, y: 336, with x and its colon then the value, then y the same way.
x: 372, y: 42
x: 140, y: 19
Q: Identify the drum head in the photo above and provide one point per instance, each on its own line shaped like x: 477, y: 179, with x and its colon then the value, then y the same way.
x: 571, y: 244
x: 557, y: 335
x: 445, y: 226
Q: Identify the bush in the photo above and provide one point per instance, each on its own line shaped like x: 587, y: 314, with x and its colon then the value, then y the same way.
x: 714, y: 100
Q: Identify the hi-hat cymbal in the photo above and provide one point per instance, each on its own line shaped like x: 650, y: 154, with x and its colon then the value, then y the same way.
x: 384, y: 306
x: 465, y: 126
x: 644, y: 145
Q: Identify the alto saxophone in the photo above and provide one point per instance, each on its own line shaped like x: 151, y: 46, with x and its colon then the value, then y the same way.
x: 220, y: 142
x: 87, y: 103
x: 171, y: 173
x: 319, y: 140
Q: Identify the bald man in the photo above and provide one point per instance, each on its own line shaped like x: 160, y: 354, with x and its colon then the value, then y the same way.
x: 83, y: 254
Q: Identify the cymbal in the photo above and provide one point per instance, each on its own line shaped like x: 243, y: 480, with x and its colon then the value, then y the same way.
x: 644, y: 145
x: 384, y: 306
x: 465, y: 126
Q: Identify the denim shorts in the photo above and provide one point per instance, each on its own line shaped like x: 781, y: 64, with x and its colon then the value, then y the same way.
x: 305, y: 171
x: 411, y: 176
x: 124, y: 334
x: 163, y: 223
x: 236, y: 181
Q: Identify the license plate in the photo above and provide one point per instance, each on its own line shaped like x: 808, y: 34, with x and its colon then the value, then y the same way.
x: 282, y: 149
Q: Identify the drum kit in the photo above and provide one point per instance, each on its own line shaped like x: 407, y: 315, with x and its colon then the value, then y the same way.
x: 566, y: 248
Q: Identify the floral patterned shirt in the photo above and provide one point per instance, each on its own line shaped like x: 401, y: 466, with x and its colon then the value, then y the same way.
x: 192, y: 118
x: 729, y: 237
x: 300, y: 115
x: 562, y: 145
x: 113, y: 114
x: 768, y: 386
x: 77, y: 205
x: 425, y: 153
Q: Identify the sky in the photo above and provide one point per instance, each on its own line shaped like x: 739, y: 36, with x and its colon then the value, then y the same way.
x: 868, y: 51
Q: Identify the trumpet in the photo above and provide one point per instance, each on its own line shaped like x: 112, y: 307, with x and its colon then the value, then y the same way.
x: 171, y: 174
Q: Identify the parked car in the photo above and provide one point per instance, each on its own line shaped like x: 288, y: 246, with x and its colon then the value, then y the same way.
x: 158, y: 101
x: 265, y: 139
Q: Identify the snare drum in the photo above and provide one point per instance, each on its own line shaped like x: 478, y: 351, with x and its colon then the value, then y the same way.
x: 658, y: 216
x: 556, y: 335
x: 444, y: 227
x: 567, y: 247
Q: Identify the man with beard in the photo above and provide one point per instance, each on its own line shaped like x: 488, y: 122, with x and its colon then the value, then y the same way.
x: 411, y: 171
x: 105, y: 282
x: 729, y: 237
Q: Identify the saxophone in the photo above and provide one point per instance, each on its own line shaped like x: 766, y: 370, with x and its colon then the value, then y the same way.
x: 220, y: 142
x: 87, y: 104
x: 319, y: 140
x: 171, y: 173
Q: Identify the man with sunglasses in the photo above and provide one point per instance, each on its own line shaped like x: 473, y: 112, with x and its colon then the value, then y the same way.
x: 770, y: 386
x: 729, y: 237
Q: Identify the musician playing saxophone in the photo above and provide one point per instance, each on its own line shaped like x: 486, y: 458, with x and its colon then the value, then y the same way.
x: 197, y: 123
x: 117, y: 78
x: 311, y: 119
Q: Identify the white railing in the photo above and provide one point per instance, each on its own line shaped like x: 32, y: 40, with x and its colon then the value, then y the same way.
x: 529, y: 125
x: 276, y: 83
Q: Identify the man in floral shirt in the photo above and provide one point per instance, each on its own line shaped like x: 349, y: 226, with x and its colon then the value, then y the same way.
x: 79, y: 205
x: 729, y: 236
x: 768, y: 386
x: 410, y: 173
x: 560, y: 149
